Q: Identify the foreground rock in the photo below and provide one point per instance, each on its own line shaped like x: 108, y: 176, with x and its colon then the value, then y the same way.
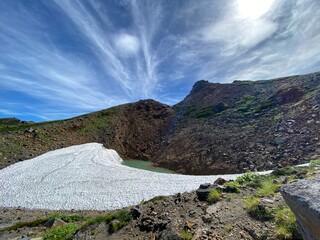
x: 303, y: 198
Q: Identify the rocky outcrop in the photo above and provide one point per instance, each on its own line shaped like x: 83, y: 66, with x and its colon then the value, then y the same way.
x: 303, y: 199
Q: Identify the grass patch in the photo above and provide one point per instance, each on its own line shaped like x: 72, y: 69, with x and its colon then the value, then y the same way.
x: 154, y: 200
x: 185, y: 235
x: 282, y: 171
x: 31, y: 224
x: 228, y: 228
x: 232, y: 187
x: 64, y: 232
x: 268, y: 187
x: 246, y: 103
x: 41, y: 221
x: 256, y: 210
x: 97, y: 220
x: 214, y: 196
x: 122, y: 217
x: 286, y: 223
x: 315, y: 163
x: 264, y: 105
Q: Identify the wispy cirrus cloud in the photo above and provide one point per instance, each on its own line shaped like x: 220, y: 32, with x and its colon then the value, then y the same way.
x: 62, y: 58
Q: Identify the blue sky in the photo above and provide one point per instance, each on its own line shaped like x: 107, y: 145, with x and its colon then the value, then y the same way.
x: 62, y: 58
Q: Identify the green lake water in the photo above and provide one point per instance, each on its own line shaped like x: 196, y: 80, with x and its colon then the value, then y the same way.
x: 145, y: 165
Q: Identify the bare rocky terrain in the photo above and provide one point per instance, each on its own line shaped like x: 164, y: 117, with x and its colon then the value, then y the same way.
x: 248, y: 208
x: 217, y: 128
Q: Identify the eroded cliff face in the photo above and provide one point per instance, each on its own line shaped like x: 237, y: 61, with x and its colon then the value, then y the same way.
x: 217, y: 128
x: 140, y: 129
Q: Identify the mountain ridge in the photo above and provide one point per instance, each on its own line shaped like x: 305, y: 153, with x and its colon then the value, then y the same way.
x: 217, y: 128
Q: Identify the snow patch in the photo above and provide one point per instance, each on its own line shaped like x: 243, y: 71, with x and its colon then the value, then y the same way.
x: 87, y: 177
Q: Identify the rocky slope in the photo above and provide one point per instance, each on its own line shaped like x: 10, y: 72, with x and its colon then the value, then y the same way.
x: 217, y: 128
x: 249, y: 208
x: 245, y: 126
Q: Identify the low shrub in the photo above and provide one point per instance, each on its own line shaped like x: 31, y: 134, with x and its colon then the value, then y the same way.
x: 214, y: 196
x: 247, y: 178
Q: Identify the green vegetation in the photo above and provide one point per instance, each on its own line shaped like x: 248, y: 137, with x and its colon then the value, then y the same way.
x: 64, y: 232
x: 37, y: 222
x: 286, y: 223
x: 278, y: 117
x: 214, y: 196
x: 185, y: 235
x: 97, y: 220
x: 154, y: 200
x: 256, y: 210
x: 18, y: 126
x: 74, y: 223
x: 31, y: 224
x: 204, y: 112
x: 228, y: 228
x: 247, y: 178
x: 286, y: 171
x: 268, y: 186
x: 247, y: 82
x: 264, y: 105
x: 246, y: 103
x: 100, y: 121
x: 121, y: 218
x: 315, y: 163
x: 67, y: 218
x: 232, y: 186
x: 249, y: 104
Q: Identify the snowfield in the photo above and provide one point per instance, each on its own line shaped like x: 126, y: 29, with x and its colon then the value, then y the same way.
x: 86, y: 177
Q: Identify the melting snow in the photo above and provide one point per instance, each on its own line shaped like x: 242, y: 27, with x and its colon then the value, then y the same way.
x: 87, y: 176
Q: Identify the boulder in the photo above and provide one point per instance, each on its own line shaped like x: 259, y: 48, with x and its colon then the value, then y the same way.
x: 136, y: 212
x: 303, y: 199
x: 55, y: 222
x: 204, y: 190
x: 169, y: 234
x: 220, y: 181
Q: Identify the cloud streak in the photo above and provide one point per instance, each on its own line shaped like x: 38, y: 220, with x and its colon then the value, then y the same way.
x: 63, y: 58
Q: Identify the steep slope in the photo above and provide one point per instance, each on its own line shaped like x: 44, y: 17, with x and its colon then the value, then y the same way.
x: 245, y: 126
x: 134, y: 130
x: 217, y: 128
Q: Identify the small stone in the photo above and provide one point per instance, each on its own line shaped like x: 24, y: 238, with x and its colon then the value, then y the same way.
x: 220, y: 181
x: 206, y: 218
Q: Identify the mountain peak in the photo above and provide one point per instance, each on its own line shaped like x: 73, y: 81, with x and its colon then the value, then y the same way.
x: 199, y: 85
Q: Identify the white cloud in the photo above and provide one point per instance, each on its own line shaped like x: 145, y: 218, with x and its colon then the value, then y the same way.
x: 252, y: 8
x: 127, y: 44
x: 237, y: 34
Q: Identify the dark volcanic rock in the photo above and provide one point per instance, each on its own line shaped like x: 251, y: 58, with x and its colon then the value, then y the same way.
x: 303, y: 198
x: 204, y: 190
